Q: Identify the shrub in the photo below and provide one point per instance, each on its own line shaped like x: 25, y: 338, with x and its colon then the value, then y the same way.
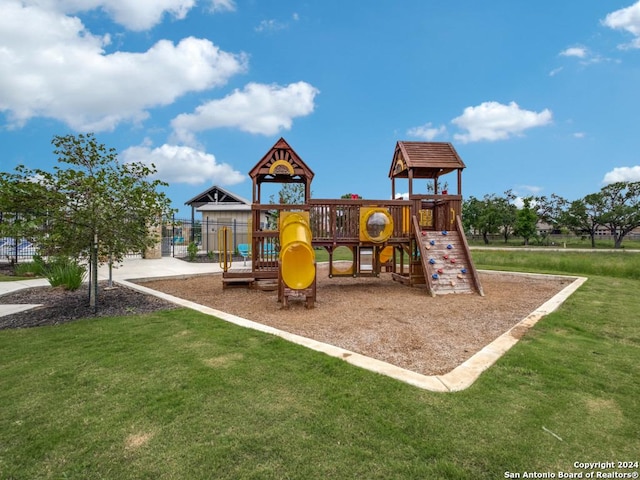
x: 36, y: 268
x: 66, y: 273
x: 192, y: 251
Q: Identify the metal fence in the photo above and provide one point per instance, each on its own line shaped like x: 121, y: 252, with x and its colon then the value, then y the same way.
x: 177, y: 234
x: 16, y: 249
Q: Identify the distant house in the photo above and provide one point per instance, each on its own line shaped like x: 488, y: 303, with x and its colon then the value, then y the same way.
x: 221, y: 208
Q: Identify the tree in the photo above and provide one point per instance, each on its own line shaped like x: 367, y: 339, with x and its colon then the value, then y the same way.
x: 290, y: 194
x: 20, y: 215
x: 621, y: 201
x: 526, y: 221
x: 584, y: 216
x: 483, y: 216
x: 96, y: 208
x: 553, y: 210
x: 506, y: 211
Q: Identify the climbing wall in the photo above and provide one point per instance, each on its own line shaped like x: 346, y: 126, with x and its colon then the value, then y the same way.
x: 446, y: 261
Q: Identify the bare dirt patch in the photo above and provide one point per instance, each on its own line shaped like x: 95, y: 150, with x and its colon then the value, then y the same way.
x: 382, y: 319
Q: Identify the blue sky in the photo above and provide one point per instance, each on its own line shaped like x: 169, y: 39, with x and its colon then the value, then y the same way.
x: 537, y: 97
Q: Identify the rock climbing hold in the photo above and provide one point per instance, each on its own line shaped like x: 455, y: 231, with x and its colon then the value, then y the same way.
x: 428, y: 247
x: 432, y: 261
x: 435, y: 276
x: 445, y: 257
x: 424, y: 233
x: 444, y: 232
x: 440, y: 271
x: 449, y: 247
x: 432, y: 242
x: 459, y: 275
x: 464, y: 270
x: 453, y: 284
x: 453, y: 260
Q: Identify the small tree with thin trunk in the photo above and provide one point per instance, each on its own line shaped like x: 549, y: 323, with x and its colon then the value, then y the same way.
x: 526, y: 221
x: 96, y: 208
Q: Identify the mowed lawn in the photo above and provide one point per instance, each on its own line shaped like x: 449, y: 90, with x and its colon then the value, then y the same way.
x: 180, y: 395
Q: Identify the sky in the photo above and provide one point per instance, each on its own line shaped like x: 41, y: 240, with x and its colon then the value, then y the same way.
x: 537, y: 97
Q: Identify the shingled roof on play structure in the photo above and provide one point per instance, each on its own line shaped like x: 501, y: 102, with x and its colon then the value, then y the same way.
x: 424, y: 160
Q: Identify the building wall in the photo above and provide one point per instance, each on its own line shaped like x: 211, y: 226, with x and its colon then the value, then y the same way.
x: 236, y: 221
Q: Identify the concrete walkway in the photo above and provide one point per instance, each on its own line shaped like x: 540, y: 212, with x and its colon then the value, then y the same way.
x: 458, y: 379
x: 133, y: 268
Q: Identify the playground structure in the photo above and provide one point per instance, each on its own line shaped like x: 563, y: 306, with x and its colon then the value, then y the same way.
x: 419, y: 240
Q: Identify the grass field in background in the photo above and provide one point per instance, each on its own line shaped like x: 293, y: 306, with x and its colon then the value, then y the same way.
x: 179, y: 394
x: 589, y: 263
x: 557, y: 241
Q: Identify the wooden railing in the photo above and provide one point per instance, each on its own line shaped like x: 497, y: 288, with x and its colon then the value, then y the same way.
x: 335, y: 222
x: 470, y: 265
x: 437, y: 212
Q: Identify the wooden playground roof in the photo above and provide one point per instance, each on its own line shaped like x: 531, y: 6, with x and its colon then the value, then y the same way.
x: 424, y: 160
x: 281, y: 164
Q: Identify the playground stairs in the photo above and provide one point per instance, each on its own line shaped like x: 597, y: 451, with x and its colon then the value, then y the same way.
x: 446, y: 263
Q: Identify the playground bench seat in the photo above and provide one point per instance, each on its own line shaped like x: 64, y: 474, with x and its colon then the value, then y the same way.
x: 245, y: 251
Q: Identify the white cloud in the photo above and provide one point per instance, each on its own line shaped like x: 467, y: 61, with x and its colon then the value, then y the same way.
x: 270, y: 26
x: 135, y: 15
x: 580, y: 52
x: 622, y: 174
x: 495, y: 121
x: 51, y: 66
x: 579, y: 135
x: 626, y: 19
x: 427, y: 131
x: 555, y: 71
x: 584, y: 56
x: 530, y: 189
x: 223, y: 6
x: 260, y: 109
x: 519, y: 202
x: 180, y: 164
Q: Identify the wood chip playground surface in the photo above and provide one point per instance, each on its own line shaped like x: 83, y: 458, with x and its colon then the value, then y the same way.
x: 382, y: 319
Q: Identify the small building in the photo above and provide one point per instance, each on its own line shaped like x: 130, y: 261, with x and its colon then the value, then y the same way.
x: 221, y: 208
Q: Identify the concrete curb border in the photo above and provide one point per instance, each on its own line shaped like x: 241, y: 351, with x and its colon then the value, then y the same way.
x: 460, y: 378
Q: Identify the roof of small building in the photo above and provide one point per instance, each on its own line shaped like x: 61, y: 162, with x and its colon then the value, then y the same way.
x: 217, y: 196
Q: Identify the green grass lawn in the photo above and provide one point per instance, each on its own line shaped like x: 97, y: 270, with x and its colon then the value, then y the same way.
x: 180, y: 395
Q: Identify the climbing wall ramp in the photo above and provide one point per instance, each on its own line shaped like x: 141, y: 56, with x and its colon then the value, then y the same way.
x: 446, y: 262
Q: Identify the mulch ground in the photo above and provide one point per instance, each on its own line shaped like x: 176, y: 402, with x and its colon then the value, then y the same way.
x: 61, y: 306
